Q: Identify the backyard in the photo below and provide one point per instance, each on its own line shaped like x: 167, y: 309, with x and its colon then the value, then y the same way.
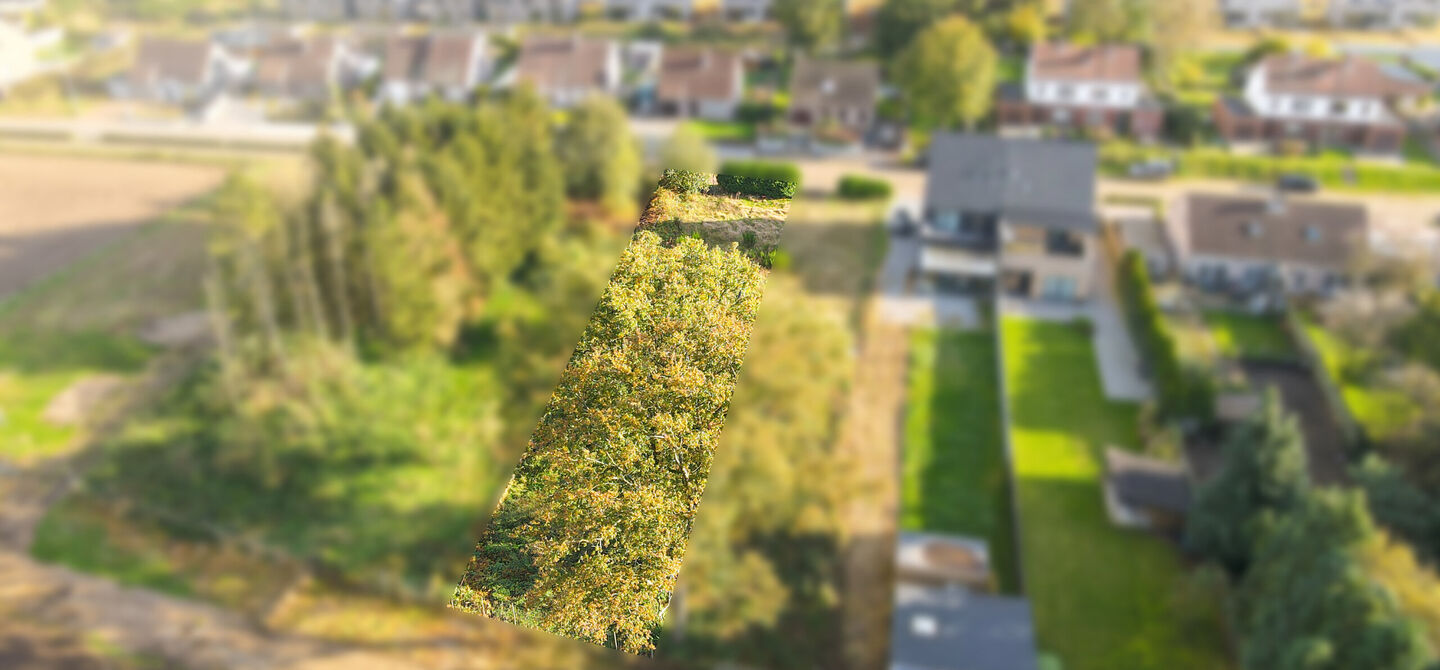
x: 1103, y: 597
x: 1249, y: 336
x: 1380, y: 411
x: 953, y: 476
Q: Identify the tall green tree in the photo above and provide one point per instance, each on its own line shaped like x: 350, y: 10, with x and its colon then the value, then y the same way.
x: 1307, y: 603
x: 1176, y: 29
x: 810, y: 25
x: 1404, y: 508
x: 948, y: 74
x: 1106, y: 21
x: 1263, y: 475
x: 1026, y: 24
x: 899, y: 22
x: 687, y: 149
x: 601, y: 159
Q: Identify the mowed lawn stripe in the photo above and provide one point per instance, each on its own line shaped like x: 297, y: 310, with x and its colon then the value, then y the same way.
x: 1103, y: 597
x: 954, y: 467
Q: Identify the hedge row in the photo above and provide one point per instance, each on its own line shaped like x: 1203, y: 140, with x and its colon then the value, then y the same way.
x: 1183, y: 394
x: 770, y: 180
x: 684, y: 181
x: 1330, y: 170
x: 857, y: 187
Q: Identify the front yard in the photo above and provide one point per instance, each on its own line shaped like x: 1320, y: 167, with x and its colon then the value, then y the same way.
x: 953, y: 472
x: 1103, y: 597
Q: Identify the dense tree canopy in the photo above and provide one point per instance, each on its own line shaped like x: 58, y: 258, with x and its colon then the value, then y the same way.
x: 602, y: 161
x: 810, y: 25
x: 948, y: 74
x: 1263, y: 475
x: 899, y: 22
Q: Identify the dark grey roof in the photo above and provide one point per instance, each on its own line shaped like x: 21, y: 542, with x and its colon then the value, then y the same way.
x: 1041, y: 182
x: 955, y: 629
x: 1139, y: 481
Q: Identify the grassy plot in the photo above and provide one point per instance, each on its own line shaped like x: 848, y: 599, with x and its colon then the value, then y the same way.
x: 953, y: 477
x: 1381, y: 412
x: 1239, y: 335
x: 1103, y: 597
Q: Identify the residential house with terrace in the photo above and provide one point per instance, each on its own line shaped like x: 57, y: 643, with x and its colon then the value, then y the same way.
x: 447, y: 64
x: 1268, y: 13
x: 1348, y: 102
x: 1384, y: 14
x: 700, y: 81
x: 181, y: 71
x: 327, y: 11
x: 567, y: 69
x: 1014, y: 214
x: 1254, y: 245
x: 649, y: 10
x: 1074, y: 87
x: 746, y: 10
x: 947, y: 615
x: 308, y: 69
x: 528, y: 11
x: 834, y: 98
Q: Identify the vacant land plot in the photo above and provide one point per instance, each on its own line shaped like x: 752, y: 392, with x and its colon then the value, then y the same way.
x: 59, y: 210
x: 1239, y: 335
x: 1103, y: 597
x: 954, y: 466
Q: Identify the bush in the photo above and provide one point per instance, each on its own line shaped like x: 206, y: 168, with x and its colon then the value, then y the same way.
x: 1183, y: 393
x: 769, y: 180
x: 684, y: 181
x: 856, y: 187
x: 756, y: 112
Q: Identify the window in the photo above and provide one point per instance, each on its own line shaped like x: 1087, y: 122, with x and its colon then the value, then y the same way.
x: 1312, y: 234
x: 1058, y: 287
x: 1064, y: 92
x: 948, y: 221
x: 1102, y: 94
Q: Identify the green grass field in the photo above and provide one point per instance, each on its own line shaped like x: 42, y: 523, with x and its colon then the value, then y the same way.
x: 1239, y: 335
x: 953, y: 477
x: 724, y: 131
x: 1103, y: 597
x: 1381, y: 412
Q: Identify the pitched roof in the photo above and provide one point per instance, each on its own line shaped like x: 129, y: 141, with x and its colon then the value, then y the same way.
x: 175, y: 59
x: 449, y: 58
x: 404, y: 57
x: 1349, y: 76
x: 1044, y: 182
x: 563, y: 62
x: 698, y: 73
x: 834, y: 83
x: 1071, y: 62
x: 1326, y: 234
x: 1140, y: 481
x: 954, y: 629
x: 294, y: 64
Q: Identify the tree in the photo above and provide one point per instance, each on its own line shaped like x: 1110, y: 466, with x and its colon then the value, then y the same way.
x: 1176, y: 28
x: 1308, y: 603
x: 1417, y: 336
x: 600, y: 157
x: 810, y: 25
x: 1263, y: 474
x: 1401, y: 506
x: 1106, y: 21
x: 898, y: 22
x: 948, y: 74
x: 687, y: 149
x: 1025, y: 24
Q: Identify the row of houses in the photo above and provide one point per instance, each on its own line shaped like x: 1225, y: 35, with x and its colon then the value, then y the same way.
x: 1380, y: 14
x: 1349, y: 102
x: 510, y: 12
x: 1020, y: 215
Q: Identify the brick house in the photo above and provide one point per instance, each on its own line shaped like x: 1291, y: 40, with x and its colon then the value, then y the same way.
x: 1348, y: 102
x: 1075, y: 87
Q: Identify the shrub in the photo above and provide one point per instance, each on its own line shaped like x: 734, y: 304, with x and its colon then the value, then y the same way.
x: 769, y: 180
x: 857, y: 187
x: 756, y: 112
x: 1183, y: 393
x: 684, y: 181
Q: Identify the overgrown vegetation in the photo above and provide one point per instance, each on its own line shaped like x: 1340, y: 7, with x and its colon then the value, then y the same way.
x: 1183, y: 394
x: 759, y: 178
x: 859, y: 187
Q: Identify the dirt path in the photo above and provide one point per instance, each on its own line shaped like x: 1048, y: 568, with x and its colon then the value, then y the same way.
x: 871, y: 436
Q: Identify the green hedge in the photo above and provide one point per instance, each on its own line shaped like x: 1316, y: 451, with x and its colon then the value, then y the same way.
x: 1182, y: 393
x: 684, y: 181
x: 770, y: 180
x: 1332, y: 170
x: 858, y: 187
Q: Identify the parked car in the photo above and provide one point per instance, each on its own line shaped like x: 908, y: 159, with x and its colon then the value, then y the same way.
x: 1296, y: 183
x: 903, y: 225
x: 1152, y: 169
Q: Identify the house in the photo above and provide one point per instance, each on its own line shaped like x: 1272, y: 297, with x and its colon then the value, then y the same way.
x: 13, y: 8
x: 1252, y: 244
x: 566, y: 70
x: 700, y: 81
x: 1384, y: 14
x: 1145, y: 493
x: 17, y: 56
x: 649, y: 10
x: 745, y: 10
x: 946, y: 616
x: 1076, y: 87
x: 447, y: 64
x: 1016, y: 214
x: 448, y: 12
x: 834, y: 95
x: 1349, y: 102
x: 302, y: 69
x: 328, y: 11
x: 528, y: 11
x: 181, y: 71
x: 1265, y: 13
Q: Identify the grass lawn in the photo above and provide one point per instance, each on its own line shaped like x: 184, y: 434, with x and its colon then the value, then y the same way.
x: 1202, y: 78
x: 1381, y: 412
x: 1336, y: 171
x: 724, y: 131
x: 1103, y: 597
x: 953, y: 476
x: 1239, y: 335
